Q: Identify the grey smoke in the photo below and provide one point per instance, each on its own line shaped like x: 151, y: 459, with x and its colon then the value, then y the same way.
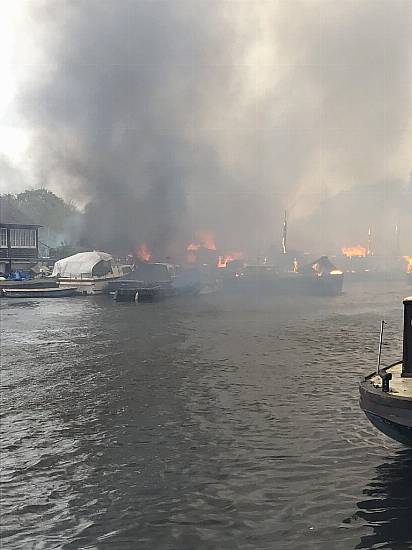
x: 171, y: 116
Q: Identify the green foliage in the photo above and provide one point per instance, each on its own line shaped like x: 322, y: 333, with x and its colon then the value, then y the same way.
x: 45, y: 208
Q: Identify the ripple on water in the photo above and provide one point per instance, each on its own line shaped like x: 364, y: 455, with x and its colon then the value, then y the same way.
x: 219, y: 423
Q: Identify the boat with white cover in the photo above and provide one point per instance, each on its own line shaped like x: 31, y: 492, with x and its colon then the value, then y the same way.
x: 88, y: 272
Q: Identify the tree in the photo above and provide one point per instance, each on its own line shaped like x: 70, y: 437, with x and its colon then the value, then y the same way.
x: 46, y: 208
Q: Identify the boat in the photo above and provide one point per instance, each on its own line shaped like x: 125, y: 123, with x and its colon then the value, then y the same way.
x: 386, y: 394
x: 88, y: 272
x: 142, y: 294
x: 28, y: 284
x: 159, y: 280
x: 51, y: 292
x: 320, y: 277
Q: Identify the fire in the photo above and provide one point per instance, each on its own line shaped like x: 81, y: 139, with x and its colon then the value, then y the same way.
x: 409, y: 261
x: 224, y: 260
x: 205, y: 239
x: 144, y: 253
x: 354, y: 251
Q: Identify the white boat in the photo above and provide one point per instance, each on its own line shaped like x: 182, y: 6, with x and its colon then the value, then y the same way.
x: 88, y: 272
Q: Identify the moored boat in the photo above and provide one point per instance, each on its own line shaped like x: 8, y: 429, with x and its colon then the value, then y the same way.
x: 8, y: 284
x: 386, y: 395
x: 317, y: 278
x: 51, y: 292
x: 160, y: 280
x: 87, y: 272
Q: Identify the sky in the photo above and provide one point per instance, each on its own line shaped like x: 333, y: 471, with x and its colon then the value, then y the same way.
x: 19, y: 61
x: 196, y: 114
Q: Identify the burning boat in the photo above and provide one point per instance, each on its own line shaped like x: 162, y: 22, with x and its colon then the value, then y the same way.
x: 89, y: 272
x: 153, y: 281
x: 360, y: 265
x: 386, y: 395
x: 322, y: 277
x: 319, y: 278
x: 409, y: 269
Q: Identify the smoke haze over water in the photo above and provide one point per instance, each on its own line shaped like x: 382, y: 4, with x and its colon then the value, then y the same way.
x: 167, y: 117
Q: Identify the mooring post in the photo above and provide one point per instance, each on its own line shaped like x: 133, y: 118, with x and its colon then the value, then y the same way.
x: 407, y: 338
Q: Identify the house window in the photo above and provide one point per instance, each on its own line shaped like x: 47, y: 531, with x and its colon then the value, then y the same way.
x: 3, y: 238
x: 23, y: 238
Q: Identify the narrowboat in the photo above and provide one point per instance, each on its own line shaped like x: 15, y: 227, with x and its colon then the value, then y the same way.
x: 320, y: 277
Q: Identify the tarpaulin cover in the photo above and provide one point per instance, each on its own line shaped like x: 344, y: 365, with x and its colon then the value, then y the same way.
x: 81, y: 264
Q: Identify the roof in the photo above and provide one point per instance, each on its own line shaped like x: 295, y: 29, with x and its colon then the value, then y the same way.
x: 79, y: 264
x: 11, y: 215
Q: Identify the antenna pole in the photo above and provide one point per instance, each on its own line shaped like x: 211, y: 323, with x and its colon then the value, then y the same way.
x: 378, y: 366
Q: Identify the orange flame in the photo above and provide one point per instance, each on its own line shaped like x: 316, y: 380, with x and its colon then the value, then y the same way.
x: 354, y: 251
x: 409, y: 261
x: 144, y: 253
x: 224, y: 260
x: 205, y: 239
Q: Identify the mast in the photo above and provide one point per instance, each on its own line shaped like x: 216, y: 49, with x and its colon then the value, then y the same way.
x: 369, y: 251
x: 285, y: 234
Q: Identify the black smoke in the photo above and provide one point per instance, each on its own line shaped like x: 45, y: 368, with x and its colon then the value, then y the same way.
x: 169, y: 116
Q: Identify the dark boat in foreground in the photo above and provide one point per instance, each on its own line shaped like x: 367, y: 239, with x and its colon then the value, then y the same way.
x: 58, y: 292
x: 386, y: 395
x: 155, y: 281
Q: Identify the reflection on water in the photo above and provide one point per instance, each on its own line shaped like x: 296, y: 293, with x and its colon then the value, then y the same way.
x: 220, y: 422
x: 387, y: 504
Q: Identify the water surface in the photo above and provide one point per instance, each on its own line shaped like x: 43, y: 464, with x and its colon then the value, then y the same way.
x: 220, y: 422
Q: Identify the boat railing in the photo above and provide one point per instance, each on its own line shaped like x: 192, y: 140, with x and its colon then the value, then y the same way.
x: 77, y: 277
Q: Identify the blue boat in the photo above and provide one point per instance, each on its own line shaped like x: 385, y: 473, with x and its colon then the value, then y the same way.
x: 386, y: 395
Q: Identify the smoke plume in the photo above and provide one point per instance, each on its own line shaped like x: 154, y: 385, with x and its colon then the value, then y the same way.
x: 171, y: 116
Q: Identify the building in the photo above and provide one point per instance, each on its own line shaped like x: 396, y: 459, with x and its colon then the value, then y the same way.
x: 19, y: 238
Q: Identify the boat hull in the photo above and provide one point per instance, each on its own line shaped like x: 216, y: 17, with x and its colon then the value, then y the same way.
x: 32, y: 283
x: 39, y: 293
x: 398, y: 432
x: 87, y: 286
x: 389, y: 412
x: 289, y: 284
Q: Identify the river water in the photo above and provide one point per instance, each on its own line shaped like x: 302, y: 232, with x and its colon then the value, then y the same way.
x: 219, y: 422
